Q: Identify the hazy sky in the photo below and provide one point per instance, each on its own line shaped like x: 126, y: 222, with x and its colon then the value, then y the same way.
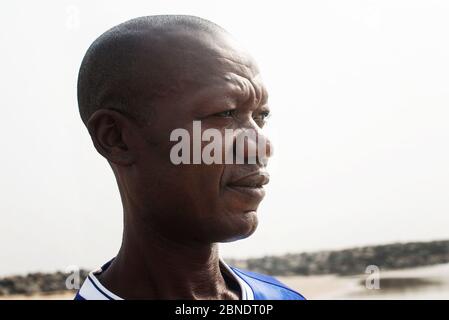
x: 360, y: 97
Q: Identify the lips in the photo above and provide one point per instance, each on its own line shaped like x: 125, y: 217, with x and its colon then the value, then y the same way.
x: 251, y: 186
x: 254, y: 180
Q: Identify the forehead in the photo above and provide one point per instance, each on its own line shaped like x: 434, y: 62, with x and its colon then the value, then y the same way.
x: 201, y: 66
x: 227, y: 89
x: 225, y: 70
x: 246, y: 88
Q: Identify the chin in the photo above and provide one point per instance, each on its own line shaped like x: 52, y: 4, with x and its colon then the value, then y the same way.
x: 242, y: 228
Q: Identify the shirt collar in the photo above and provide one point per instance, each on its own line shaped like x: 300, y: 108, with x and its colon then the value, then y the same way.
x: 92, y: 289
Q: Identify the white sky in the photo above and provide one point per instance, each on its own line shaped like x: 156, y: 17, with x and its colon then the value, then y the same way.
x: 360, y: 97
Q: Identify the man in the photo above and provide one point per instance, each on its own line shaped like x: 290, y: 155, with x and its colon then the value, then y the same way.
x: 138, y: 82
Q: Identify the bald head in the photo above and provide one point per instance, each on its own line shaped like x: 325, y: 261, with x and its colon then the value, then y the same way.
x: 169, y: 72
x: 135, y: 65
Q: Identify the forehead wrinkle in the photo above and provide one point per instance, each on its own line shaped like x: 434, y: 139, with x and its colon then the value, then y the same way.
x: 238, y: 85
x: 251, y: 89
x: 242, y: 65
x: 217, y: 92
x: 218, y: 66
x: 260, y: 89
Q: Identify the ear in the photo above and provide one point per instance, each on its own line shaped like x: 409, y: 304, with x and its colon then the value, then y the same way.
x: 108, y: 130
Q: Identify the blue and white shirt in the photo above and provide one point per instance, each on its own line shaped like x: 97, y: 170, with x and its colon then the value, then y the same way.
x: 253, y: 286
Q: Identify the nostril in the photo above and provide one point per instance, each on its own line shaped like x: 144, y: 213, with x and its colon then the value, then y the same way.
x: 269, y: 148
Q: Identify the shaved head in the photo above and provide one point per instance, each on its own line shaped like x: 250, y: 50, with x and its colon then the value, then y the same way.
x: 135, y: 65
x: 140, y: 83
x: 149, y: 76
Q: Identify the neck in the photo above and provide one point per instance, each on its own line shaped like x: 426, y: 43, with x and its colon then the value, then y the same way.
x: 150, y: 266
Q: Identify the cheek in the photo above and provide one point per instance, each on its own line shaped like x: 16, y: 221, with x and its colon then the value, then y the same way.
x: 189, y: 202
x: 190, y: 189
x: 203, y: 179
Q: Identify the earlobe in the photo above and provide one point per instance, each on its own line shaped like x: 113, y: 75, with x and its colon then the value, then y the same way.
x: 106, y: 130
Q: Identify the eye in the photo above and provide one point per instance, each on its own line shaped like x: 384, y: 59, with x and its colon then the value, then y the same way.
x: 225, y: 114
x: 262, y: 117
x: 265, y: 114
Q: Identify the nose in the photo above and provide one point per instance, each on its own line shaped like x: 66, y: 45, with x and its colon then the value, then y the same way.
x: 252, y: 146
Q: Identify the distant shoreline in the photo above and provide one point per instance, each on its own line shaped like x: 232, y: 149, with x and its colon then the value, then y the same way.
x: 347, y: 262
x: 431, y: 282
x: 350, y: 261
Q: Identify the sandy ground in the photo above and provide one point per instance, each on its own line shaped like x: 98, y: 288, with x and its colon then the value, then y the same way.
x: 52, y: 296
x: 417, y: 283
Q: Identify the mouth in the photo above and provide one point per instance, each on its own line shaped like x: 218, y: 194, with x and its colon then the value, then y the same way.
x: 251, y: 185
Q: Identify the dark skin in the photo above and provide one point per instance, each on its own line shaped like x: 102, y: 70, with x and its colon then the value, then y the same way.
x: 174, y: 215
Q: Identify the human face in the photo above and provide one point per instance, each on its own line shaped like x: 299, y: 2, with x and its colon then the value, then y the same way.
x: 200, y: 202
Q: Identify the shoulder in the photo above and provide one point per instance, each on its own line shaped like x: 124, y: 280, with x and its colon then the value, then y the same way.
x: 266, y: 287
x: 78, y: 296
